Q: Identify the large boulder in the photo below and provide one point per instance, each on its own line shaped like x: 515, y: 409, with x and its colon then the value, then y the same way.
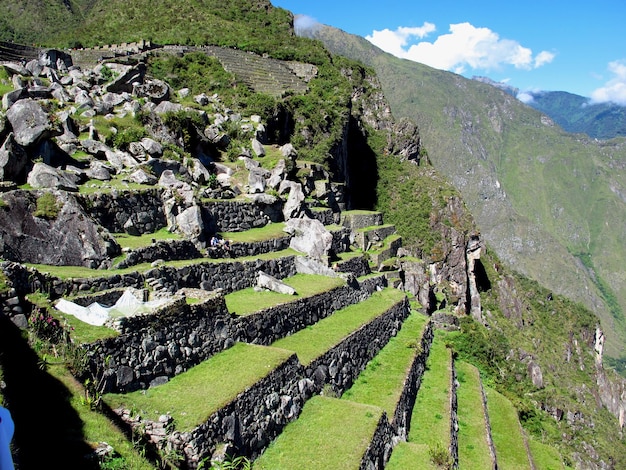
x: 46, y: 176
x: 309, y: 236
x: 64, y: 235
x: 29, y: 121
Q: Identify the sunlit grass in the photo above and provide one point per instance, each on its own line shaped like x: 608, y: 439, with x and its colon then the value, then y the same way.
x: 430, y: 420
x: 330, y: 433
x: 382, y: 381
x: 315, y: 340
x: 506, y: 432
x: 247, y: 301
x: 191, y: 397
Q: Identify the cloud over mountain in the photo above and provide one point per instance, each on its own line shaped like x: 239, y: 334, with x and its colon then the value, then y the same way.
x: 465, y: 46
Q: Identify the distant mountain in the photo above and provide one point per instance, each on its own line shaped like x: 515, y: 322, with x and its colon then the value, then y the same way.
x: 574, y: 113
x: 552, y: 204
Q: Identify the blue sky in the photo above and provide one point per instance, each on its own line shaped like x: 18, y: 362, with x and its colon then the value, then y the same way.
x: 554, y: 45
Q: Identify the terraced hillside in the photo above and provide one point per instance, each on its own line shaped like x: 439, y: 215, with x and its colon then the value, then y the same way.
x: 193, y: 291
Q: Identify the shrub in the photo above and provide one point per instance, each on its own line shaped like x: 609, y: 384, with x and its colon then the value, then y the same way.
x: 47, y: 207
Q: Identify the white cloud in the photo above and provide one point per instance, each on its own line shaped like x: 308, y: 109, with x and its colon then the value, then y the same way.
x: 396, y: 41
x: 466, y: 46
x: 525, y: 97
x: 615, y: 89
x: 304, y: 22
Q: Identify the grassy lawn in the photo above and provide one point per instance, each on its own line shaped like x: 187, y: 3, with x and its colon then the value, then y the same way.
x: 430, y: 420
x: 268, y: 232
x: 313, y: 341
x: 191, y: 397
x: 408, y: 455
x: 318, y: 438
x: 247, y: 301
x: 382, y: 381
x: 473, y: 448
x: 506, y: 432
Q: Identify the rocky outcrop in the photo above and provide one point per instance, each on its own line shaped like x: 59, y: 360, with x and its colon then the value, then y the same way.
x: 60, y: 234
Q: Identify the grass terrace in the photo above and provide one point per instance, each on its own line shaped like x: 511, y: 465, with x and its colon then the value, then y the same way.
x: 382, y: 381
x: 506, y: 432
x: 473, y: 448
x: 318, y: 439
x: 81, y: 272
x: 430, y: 420
x: 545, y: 456
x: 407, y: 455
x: 268, y: 232
x: 248, y: 301
x: 311, y: 342
x: 191, y: 397
x: 140, y: 241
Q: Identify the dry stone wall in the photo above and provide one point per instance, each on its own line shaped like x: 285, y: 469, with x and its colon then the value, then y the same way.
x: 238, y: 216
x: 135, y: 212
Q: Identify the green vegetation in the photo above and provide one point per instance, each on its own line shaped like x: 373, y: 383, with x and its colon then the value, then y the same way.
x: 381, y: 382
x: 544, y: 456
x: 315, y: 340
x: 138, y: 241
x: 191, y: 397
x: 47, y: 207
x: 430, y: 420
x: 406, y: 454
x: 247, y: 301
x: 473, y: 448
x: 506, y: 432
x: 318, y: 439
x: 268, y: 232
x: 96, y: 427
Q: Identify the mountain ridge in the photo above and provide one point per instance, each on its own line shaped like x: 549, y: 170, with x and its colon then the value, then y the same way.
x: 468, y: 138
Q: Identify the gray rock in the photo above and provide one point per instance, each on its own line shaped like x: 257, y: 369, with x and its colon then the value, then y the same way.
x: 29, y: 121
x: 45, y: 176
x: 309, y: 236
x: 10, y: 98
x: 13, y: 159
x: 277, y: 175
x: 167, y: 107
x: 265, y: 281
x: 99, y: 171
x: 189, y: 222
x: 127, y: 79
x: 69, y: 238
x: 151, y: 146
x: 294, y: 206
x: 256, y: 180
x: 142, y: 177
x: 257, y: 148
x: 156, y: 90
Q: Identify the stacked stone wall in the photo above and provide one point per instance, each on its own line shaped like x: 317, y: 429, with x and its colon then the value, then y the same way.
x: 340, y: 365
x: 238, y: 216
x: 136, y: 212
